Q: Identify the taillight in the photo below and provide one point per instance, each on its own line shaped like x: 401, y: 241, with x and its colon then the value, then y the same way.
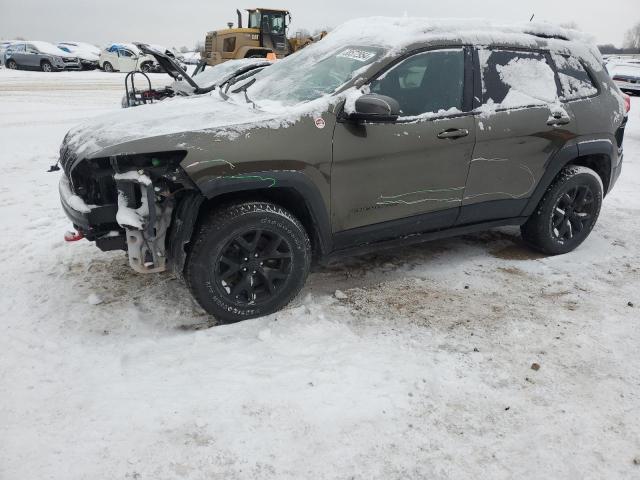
x: 627, y: 102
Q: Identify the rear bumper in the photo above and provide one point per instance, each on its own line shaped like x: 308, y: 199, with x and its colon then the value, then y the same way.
x: 616, y: 171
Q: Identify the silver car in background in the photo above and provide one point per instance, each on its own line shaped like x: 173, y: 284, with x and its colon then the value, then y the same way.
x: 39, y: 56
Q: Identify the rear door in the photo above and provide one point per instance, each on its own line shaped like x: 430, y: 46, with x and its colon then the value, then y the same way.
x: 18, y: 53
x: 408, y: 176
x: 32, y: 56
x: 520, y: 125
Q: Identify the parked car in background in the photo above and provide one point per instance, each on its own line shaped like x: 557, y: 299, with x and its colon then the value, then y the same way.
x: 360, y: 141
x: 3, y: 48
x: 124, y: 57
x: 87, y: 54
x: 203, y: 80
x: 36, y: 55
x: 627, y: 77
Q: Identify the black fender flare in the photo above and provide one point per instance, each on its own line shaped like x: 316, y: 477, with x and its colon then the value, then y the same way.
x: 551, y: 171
x: 289, y: 179
x: 562, y: 158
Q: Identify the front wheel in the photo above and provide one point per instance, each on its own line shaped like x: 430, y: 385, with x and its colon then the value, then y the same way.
x: 46, y: 66
x: 248, y: 260
x: 145, y: 67
x: 567, y: 213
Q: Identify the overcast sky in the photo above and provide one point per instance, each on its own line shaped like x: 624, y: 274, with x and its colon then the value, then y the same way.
x: 177, y: 23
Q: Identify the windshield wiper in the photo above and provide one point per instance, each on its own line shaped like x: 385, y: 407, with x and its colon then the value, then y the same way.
x: 243, y: 89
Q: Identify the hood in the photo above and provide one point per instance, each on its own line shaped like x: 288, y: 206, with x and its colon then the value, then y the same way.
x: 205, y: 113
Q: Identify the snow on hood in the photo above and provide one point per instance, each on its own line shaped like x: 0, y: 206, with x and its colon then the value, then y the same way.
x: 181, y: 115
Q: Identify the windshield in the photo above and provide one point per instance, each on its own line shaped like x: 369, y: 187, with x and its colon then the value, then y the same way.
x: 311, y: 73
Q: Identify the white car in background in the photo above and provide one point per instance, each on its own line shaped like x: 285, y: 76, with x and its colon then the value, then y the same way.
x: 125, y: 57
x: 626, y: 76
x: 87, y: 54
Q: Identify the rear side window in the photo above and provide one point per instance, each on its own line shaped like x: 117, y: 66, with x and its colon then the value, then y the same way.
x: 574, y: 79
x: 512, y: 79
x: 429, y: 82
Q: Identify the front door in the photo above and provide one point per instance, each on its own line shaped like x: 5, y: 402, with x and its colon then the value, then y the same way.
x: 127, y: 60
x: 408, y: 176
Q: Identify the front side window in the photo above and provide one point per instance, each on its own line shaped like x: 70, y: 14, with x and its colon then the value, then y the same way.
x: 574, y: 79
x: 429, y: 82
x: 513, y: 79
x: 126, y: 53
x: 32, y: 49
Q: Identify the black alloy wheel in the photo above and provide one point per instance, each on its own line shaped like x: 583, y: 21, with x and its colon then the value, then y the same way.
x: 253, y: 267
x: 247, y: 260
x: 573, y: 212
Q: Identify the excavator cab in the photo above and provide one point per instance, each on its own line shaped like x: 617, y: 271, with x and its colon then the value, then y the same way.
x: 265, y: 36
x: 273, y: 26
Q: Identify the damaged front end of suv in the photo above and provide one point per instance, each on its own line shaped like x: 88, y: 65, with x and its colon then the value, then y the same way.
x: 125, y: 202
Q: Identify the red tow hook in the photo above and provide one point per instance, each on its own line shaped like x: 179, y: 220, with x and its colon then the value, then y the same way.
x: 73, y: 236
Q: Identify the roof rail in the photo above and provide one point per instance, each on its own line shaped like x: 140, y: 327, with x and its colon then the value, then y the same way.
x: 548, y: 35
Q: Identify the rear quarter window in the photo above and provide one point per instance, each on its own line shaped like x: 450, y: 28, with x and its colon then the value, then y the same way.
x: 514, y: 78
x: 574, y: 79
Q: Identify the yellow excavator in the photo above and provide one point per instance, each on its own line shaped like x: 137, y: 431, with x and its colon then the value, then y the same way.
x: 265, y: 36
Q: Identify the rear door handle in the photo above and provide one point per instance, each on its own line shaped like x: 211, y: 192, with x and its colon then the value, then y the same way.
x: 454, y: 133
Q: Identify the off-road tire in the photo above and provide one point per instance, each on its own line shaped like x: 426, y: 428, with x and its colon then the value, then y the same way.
x: 46, y: 66
x: 11, y: 64
x: 216, y: 238
x: 107, y: 67
x: 557, y: 214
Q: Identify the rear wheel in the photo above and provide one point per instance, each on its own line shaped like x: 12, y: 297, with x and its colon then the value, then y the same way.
x: 567, y: 213
x: 12, y: 65
x: 107, y: 67
x: 46, y: 66
x: 248, y: 260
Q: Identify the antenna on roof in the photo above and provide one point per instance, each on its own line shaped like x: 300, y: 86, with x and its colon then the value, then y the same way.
x: 531, y: 19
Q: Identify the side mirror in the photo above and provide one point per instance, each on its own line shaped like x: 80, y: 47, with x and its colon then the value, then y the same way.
x: 376, y: 108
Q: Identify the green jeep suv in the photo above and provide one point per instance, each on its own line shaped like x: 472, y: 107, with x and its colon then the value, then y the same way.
x: 386, y: 132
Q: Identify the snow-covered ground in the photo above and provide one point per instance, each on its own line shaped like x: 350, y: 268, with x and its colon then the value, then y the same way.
x: 421, y: 370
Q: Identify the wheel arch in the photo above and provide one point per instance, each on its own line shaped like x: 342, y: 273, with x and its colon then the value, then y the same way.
x: 290, y: 190
x: 596, y: 155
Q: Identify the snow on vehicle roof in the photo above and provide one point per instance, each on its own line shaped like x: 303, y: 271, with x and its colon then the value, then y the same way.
x: 398, y: 33
x: 48, y: 48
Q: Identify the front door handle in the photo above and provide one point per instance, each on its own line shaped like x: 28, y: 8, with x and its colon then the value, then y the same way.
x: 454, y: 133
x: 558, y: 119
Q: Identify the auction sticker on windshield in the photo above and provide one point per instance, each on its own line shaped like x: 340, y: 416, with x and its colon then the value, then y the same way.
x: 357, y: 54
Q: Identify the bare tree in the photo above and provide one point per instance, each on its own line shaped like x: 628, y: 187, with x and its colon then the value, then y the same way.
x: 632, y: 37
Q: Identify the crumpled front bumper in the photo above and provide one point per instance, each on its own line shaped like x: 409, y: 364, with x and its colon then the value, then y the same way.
x: 92, y: 221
